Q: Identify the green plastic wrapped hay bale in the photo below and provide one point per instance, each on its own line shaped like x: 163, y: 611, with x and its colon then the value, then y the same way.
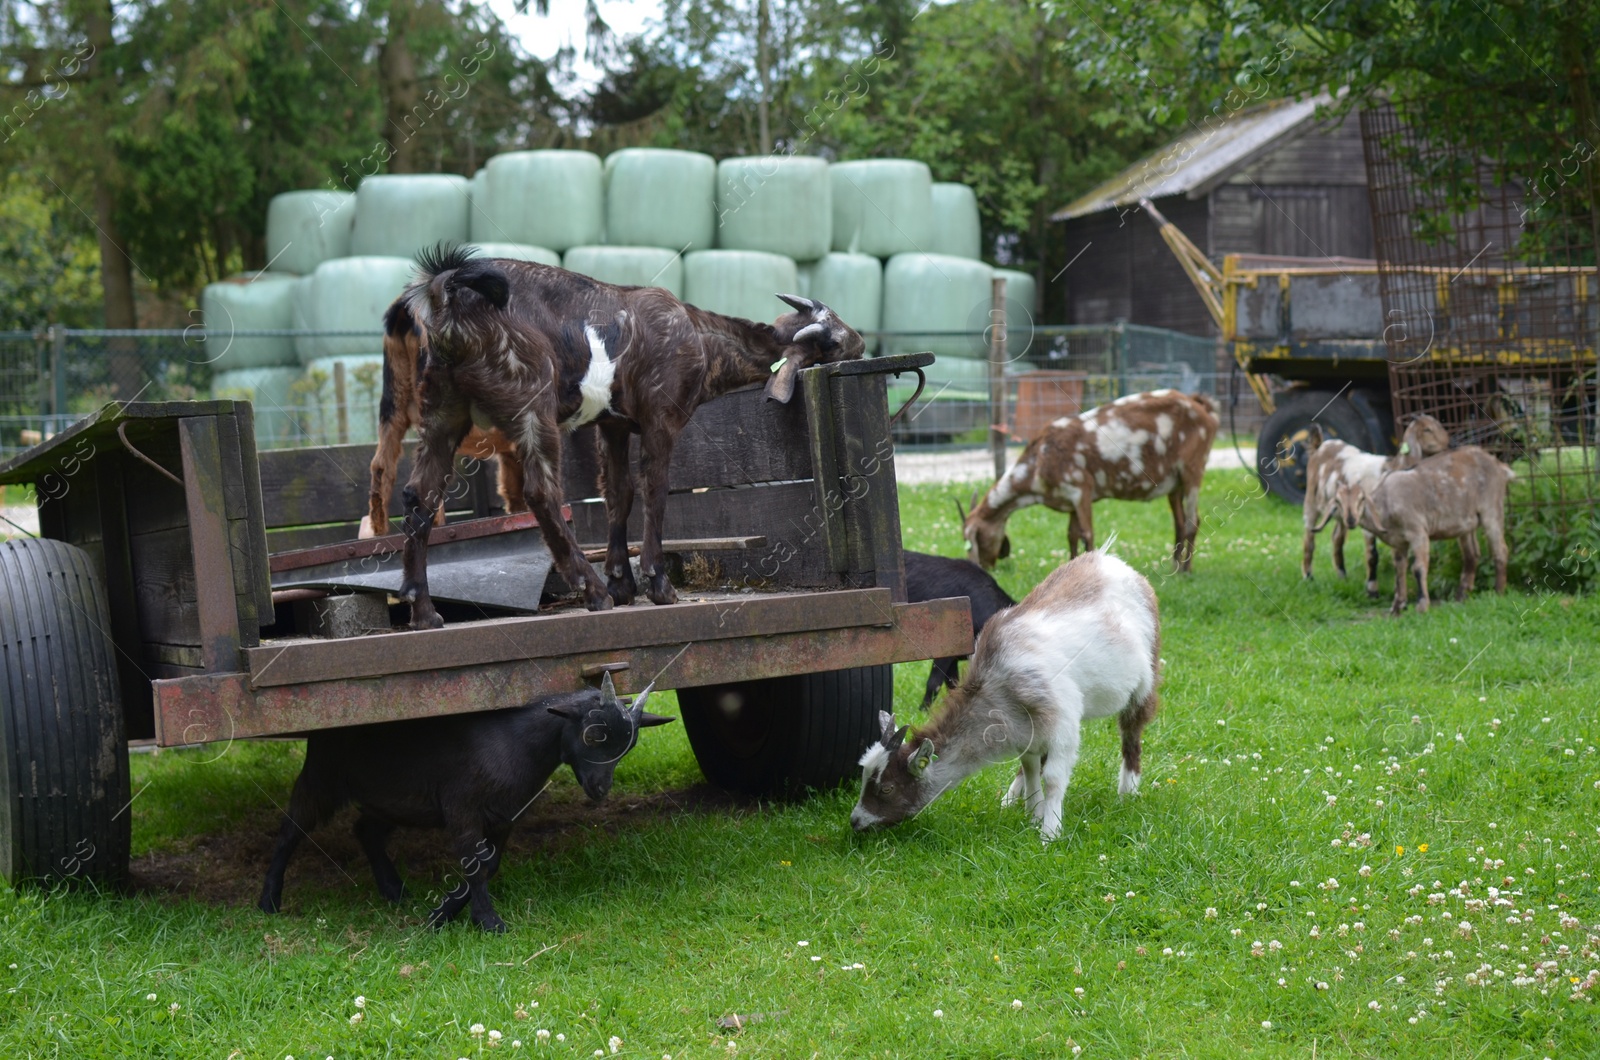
x: 930, y: 293
x: 1022, y: 304
x: 549, y: 199
x: 257, y: 302
x: 306, y: 228
x: 957, y: 230
x: 316, y: 399
x: 400, y: 214
x: 350, y: 294
x: 882, y: 206
x: 851, y: 285
x: 781, y: 205
x: 629, y: 266
x: 657, y: 197
x: 519, y: 252
x: 478, y: 229
x: 739, y: 283
x: 269, y: 391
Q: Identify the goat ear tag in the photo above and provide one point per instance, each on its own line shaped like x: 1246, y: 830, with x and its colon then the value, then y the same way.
x: 922, y: 759
x: 1405, y: 448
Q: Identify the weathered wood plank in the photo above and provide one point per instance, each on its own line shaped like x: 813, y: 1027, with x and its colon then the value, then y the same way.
x: 217, y: 600
x: 254, y: 558
x: 226, y: 706
x: 827, y: 496
x: 154, y: 502
x: 164, y: 589
x: 121, y: 596
x: 866, y: 469
x: 552, y: 635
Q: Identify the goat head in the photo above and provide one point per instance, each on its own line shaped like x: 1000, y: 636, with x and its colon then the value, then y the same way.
x: 815, y: 335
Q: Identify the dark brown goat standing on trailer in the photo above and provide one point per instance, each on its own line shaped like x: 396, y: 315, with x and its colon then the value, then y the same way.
x: 537, y: 351
x: 400, y: 409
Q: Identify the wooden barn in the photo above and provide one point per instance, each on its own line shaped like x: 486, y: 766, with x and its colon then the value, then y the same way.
x: 1276, y: 179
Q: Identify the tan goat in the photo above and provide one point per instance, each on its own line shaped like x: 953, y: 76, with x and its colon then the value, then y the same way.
x: 1334, y: 463
x: 1449, y: 495
x: 1137, y: 448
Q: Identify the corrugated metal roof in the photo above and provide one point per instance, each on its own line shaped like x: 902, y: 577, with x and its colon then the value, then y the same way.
x: 1195, y: 163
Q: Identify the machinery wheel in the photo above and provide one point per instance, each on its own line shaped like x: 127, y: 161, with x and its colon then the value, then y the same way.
x: 1281, y: 452
x: 781, y: 736
x: 63, y: 760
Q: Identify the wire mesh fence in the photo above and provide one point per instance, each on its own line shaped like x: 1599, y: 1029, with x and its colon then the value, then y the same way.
x: 1486, y: 232
x: 49, y: 379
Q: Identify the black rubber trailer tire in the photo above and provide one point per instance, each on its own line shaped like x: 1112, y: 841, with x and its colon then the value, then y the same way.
x: 1281, y: 452
x: 63, y: 760
x: 784, y: 736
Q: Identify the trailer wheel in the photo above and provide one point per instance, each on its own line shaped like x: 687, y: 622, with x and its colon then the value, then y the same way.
x: 781, y: 736
x: 1281, y: 452
x: 63, y: 760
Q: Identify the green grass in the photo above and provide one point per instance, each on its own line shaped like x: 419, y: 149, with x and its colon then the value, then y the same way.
x: 1304, y: 736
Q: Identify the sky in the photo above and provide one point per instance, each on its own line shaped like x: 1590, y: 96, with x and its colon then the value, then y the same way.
x: 544, y: 35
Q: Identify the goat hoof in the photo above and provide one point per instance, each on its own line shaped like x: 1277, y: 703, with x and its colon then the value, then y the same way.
x: 621, y: 591
x: 492, y: 924
x: 599, y: 602
x: 661, y: 590
x: 268, y: 905
x: 429, y: 621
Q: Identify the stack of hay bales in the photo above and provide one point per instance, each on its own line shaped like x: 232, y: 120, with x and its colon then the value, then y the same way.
x: 255, y: 368
x: 878, y: 240
x: 348, y: 294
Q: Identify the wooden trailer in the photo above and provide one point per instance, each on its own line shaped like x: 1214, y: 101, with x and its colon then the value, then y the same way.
x: 190, y: 590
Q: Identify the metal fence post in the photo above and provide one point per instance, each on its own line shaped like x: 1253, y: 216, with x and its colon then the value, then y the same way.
x: 997, y: 376
x: 58, y: 370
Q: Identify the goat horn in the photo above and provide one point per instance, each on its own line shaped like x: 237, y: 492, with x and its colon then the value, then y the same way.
x: 960, y: 511
x: 637, y: 708
x: 816, y: 328
x: 647, y: 719
x: 893, y: 743
x: 805, y: 305
x: 608, y: 691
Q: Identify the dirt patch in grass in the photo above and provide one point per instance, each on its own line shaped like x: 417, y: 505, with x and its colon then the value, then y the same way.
x: 226, y: 868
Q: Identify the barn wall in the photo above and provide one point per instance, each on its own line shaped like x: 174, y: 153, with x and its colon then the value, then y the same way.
x: 1128, y: 273
x: 1298, y: 220
x: 1325, y: 154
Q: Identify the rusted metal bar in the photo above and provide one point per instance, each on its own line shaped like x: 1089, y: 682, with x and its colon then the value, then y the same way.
x: 548, y: 635
x: 224, y: 706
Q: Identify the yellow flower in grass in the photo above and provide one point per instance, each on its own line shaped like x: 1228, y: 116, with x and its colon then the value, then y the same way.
x: 1422, y: 848
x: 1399, y: 851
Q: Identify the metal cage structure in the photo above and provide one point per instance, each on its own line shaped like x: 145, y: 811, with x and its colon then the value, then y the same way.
x: 1486, y: 246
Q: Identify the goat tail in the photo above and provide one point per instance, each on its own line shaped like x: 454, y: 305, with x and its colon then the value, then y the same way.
x: 467, y: 270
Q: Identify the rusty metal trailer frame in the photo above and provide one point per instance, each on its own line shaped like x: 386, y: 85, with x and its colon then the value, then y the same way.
x: 787, y: 515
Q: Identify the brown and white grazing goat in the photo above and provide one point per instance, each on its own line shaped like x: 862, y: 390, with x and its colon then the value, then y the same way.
x: 1137, y: 448
x: 400, y: 409
x: 536, y: 351
x: 1086, y: 643
x: 1449, y: 495
x: 1334, y: 463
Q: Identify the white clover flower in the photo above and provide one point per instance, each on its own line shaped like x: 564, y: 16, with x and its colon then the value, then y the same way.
x: 172, y: 1007
x: 542, y: 1034
x: 1211, y: 912
x: 938, y: 1013
x: 149, y: 997
x: 561, y: 1037
x: 1016, y: 1004
x: 803, y: 942
x: 1077, y: 991
x: 614, y: 1042
x: 495, y: 1036
x: 361, y: 1002
x: 1266, y: 1025
x: 475, y: 1029
x: 355, y: 1018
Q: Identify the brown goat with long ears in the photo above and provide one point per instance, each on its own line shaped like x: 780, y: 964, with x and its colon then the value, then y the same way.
x: 400, y: 409
x: 536, y: 351
x: 1136, y: 448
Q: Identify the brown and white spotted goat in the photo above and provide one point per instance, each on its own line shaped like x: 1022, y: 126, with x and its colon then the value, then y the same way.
x: 1334, y: 464
x: 1137, y: 448
x: 536, y: 351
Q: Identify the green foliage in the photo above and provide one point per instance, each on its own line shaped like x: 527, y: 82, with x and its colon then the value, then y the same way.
x: 49, y: 269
